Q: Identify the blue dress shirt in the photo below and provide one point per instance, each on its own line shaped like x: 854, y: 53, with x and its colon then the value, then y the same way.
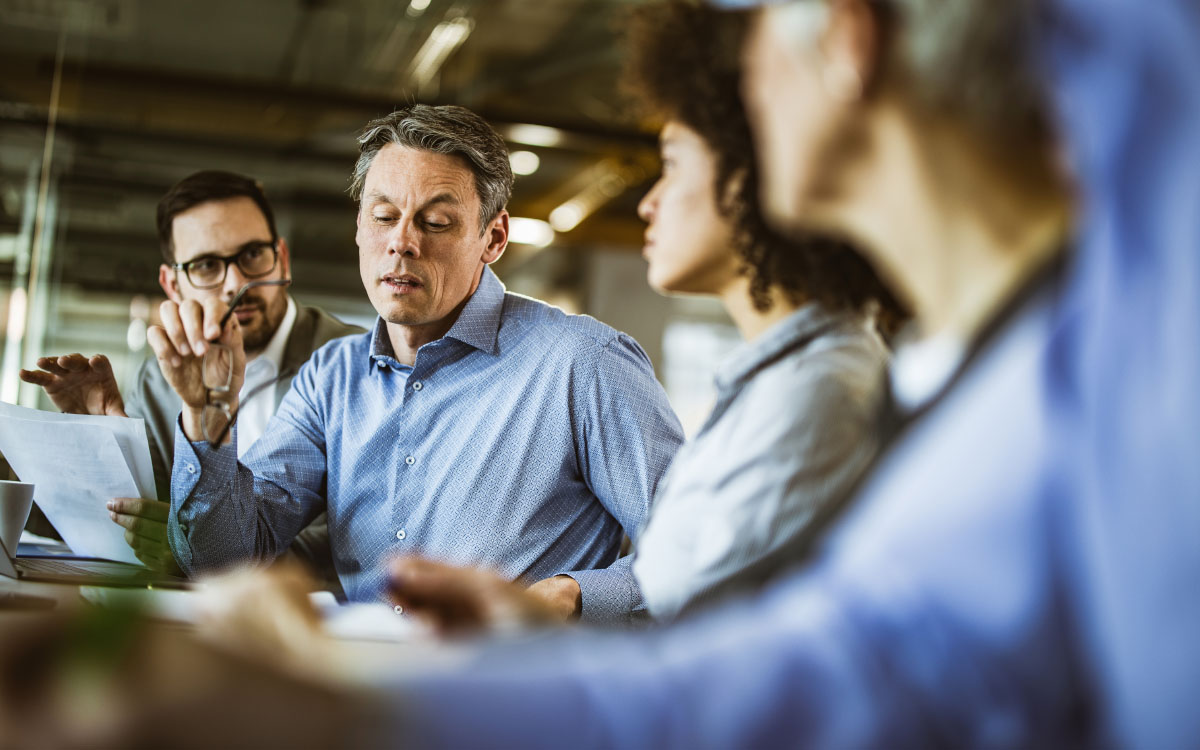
x: 524, y: 440
x: 1021, y: 569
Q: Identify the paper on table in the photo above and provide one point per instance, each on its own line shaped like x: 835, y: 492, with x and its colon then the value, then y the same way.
x: 130, y: 434
x: 76, y: 468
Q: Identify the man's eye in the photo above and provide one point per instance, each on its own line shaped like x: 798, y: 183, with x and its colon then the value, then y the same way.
x: 203, y: 266
x: 437, y: 225
x: 383, y: 219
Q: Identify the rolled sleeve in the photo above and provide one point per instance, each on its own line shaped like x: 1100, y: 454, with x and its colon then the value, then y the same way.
x: 228, y: 512
x: 610, y: 596
x: 198, y: 469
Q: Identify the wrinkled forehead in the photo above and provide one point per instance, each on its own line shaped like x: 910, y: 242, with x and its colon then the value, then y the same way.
x: 405, y: 176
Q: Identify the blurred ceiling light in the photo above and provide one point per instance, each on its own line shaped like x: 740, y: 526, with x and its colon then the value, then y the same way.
x: 524, y: 162
x: 416, y: 8
x: 530, y: 231
x: 445, y: 38
x: 602, y: 182
x: 535, y: 135
x: 567, y: 216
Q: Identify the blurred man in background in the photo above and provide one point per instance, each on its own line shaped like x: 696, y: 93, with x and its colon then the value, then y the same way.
x: 216, y: 232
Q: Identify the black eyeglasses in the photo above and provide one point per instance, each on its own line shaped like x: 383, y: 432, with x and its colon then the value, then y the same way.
x: 217, y: 374
x: 208, y: 271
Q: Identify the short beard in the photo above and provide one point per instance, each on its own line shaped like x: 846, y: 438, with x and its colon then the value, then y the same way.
x: 256, y: 339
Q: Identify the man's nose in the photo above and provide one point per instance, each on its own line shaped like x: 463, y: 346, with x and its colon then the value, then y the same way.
x: 234, y: 281
x: 404, y: 240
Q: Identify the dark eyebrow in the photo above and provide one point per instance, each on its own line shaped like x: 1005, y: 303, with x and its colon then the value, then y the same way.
x: 237, y: 250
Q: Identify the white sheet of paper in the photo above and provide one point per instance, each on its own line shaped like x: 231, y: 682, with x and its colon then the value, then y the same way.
x: 77, y: 466
x: 130, y: 434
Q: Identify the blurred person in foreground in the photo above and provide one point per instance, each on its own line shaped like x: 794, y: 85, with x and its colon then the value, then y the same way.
x: 794, y: 422
x: 216, y: 232
x: 1032, y: 586
x: 470, y: 425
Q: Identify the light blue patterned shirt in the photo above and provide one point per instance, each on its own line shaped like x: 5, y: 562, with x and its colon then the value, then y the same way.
x: 792, y: 430
x: 523, y: 440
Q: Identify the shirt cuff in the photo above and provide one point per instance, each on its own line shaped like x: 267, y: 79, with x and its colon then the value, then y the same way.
x: 610, y: 596
x: 195, y: 467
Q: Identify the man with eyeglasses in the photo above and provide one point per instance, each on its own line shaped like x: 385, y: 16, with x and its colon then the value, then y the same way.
x: 471, y: 424
x: 217, y: 234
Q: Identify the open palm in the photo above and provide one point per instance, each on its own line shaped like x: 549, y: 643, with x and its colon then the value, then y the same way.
x: 78, y: 385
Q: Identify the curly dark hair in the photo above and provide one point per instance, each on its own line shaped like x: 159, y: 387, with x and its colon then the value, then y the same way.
x: 684, y: 65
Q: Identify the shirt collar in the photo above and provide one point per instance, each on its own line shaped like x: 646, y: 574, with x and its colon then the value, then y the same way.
x: 921, y: 369
x: 794, y: 331
x: 478, y: 324
x: 273, y: 354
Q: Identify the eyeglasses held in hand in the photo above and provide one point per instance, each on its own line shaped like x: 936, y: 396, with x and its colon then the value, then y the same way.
x: 217, y: 375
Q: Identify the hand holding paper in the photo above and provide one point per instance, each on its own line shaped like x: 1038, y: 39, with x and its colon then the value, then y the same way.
x: 78, y: 464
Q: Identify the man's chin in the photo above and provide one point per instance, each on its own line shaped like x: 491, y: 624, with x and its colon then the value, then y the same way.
x: 401, y: 314
x: 255, y: 338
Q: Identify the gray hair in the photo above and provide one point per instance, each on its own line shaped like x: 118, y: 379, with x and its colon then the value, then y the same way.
x: 445, y: 129
x: 969, y: 58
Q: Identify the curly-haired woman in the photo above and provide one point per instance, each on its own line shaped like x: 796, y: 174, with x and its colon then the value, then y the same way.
x: 793, y: 426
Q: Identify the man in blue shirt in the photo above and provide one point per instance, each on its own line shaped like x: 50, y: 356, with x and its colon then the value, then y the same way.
x: 470, y: 425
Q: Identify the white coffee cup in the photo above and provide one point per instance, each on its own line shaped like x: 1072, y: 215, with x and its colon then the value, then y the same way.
x: 16, y: 500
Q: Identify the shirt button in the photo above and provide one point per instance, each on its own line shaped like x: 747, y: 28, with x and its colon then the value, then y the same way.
x: 410, y: 460
x: 401, y: 534
x: 417, y: 386
x: 398, y: 609
x: 191, y: 469
x: 381, y: 364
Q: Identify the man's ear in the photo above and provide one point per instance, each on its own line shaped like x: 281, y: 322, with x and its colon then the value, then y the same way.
x: 497, y: 236
x: 285, y: 259
x: 168, y: 279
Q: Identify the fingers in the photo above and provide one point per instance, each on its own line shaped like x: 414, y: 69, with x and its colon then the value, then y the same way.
x: 64, y: 365
x: 452, y: 599
x: 164, y: 350
x: 154, y: 553
x: 73, y: 362
x: 180, y: 332
x: 50, y: 364
x: 256, y: 610
x: 101, y: 366
x: 170, y: 316
x: 152, y: 559
x: 192, y: 314
x: 153, y: 531
x: 153, y: 510
x: 37, y: 377
x: 214, y: 310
